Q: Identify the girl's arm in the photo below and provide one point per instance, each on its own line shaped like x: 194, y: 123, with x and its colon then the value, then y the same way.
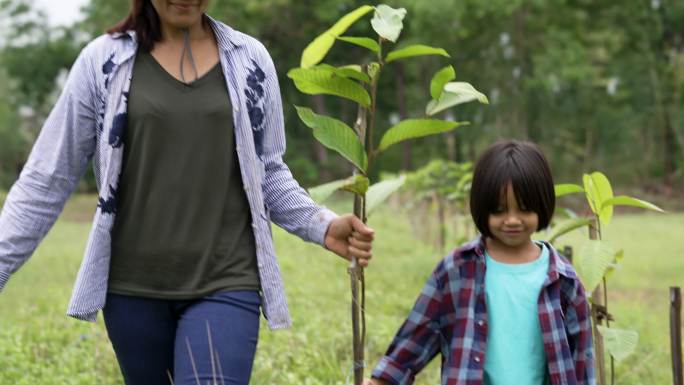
x: 57, y: 162
x: 419, y: 338
x: 583, y: 356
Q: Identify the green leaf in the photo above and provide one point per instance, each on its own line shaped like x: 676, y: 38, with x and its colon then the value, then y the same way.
x: 365, y: 42
x: 353, y: 73
x: 322, y: 80
x: 357, y: 184
x: 335, y: 135
x: 623, y: 200
x: 373, y: 69
x: 349, y: 72
x: 568, y: 213
x: 597, y: 189
x: 591, y: 262
x: 415, y: 128
x: 441, y: 78
x: 464, y: 181
x: 414, y: 50
x: 379, y: 192
x: 388, y: 22
x: 567, y: 188
x: 617, y: 260
x: 567, y: 226
x: 620, y: 343
x: 455, y: 93
x: 319, y: 47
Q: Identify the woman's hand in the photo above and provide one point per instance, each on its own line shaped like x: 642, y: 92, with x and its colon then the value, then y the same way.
x: 347, y: 236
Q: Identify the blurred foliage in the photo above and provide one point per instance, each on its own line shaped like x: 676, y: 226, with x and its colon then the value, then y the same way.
x: 597, y: 84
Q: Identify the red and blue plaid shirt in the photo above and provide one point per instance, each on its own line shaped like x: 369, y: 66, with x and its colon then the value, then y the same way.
x: 450, y: 317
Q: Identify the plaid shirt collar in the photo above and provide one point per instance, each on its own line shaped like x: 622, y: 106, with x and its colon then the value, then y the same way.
x: 558, y: 266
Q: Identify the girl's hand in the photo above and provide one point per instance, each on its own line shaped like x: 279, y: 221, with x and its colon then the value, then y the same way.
x: 374, y: 381
x: 347, y: 236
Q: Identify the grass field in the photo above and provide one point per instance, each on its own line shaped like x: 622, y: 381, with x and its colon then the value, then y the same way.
x: 40, y: 345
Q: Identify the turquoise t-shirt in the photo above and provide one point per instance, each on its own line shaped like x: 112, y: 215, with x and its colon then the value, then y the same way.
x: 515, y: 349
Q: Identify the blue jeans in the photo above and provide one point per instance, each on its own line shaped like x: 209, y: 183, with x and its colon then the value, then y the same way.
x: 151, y: 336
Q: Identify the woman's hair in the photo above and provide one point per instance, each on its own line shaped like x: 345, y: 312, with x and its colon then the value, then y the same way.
x: 144, y: 20
x: 521, y: 164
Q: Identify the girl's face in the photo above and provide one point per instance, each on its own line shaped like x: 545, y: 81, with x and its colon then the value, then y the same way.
x: 510, y: 224
x: 180, y: 13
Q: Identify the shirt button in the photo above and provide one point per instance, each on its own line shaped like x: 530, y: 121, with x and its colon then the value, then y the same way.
x: 477, y: 359
x: 480, y: 323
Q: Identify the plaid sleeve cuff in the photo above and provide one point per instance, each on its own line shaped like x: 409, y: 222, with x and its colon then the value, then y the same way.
x: 390, y: 371
x: 319, y: 225
x: 4, y: 277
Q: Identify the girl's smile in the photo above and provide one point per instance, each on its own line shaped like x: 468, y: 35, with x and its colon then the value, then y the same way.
x: 512, y: 226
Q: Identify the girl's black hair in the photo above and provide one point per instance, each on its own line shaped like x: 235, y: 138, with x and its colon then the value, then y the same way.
x: 520, y: 163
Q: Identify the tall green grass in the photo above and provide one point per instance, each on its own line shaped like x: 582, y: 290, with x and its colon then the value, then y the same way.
x: 39, y: 344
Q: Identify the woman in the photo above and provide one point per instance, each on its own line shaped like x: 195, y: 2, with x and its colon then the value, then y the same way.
x: 183, y: 118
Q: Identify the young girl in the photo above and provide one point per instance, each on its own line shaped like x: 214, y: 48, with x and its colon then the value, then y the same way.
x: 502, y: 309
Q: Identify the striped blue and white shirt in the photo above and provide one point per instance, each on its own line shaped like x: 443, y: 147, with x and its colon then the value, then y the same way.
x: 89, y: 121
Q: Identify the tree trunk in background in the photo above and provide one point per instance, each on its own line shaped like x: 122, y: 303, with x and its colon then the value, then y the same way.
x: 407, y: 157
x: 319, y: 150
x: 520, y: 43
x: 670, y: 150
x: 451, y: 145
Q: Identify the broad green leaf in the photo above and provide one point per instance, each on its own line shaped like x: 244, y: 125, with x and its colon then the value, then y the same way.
x: 567, y: 226
x: 623, y: 200
x: 349, y: 72
x: 441, y: 78
x: 357, y: 184
x: 319, y: 47
x: 455, y: 93
x: 347, y: 20
x: 388, y: 22
x: 414, y: 50
x: 617, y: 260
x: 365, y: 42
x: 380, y: 191
x: 597, y: 189
x: 591, y: 262
x: 335, y: 135
x: 321, y: 80
x: 415, y: 128
x: 620, y: 343
x: 567, y: 188
x: 353, y: 73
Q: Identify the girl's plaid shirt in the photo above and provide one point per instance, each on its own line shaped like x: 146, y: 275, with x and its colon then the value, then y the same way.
x: 450, y: 317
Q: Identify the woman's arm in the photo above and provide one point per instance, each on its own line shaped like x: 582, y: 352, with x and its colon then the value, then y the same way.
x: 57, y: 162
x: 290, y: 206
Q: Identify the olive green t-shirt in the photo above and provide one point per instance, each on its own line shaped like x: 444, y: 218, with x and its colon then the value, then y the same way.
x: 183, y: 225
